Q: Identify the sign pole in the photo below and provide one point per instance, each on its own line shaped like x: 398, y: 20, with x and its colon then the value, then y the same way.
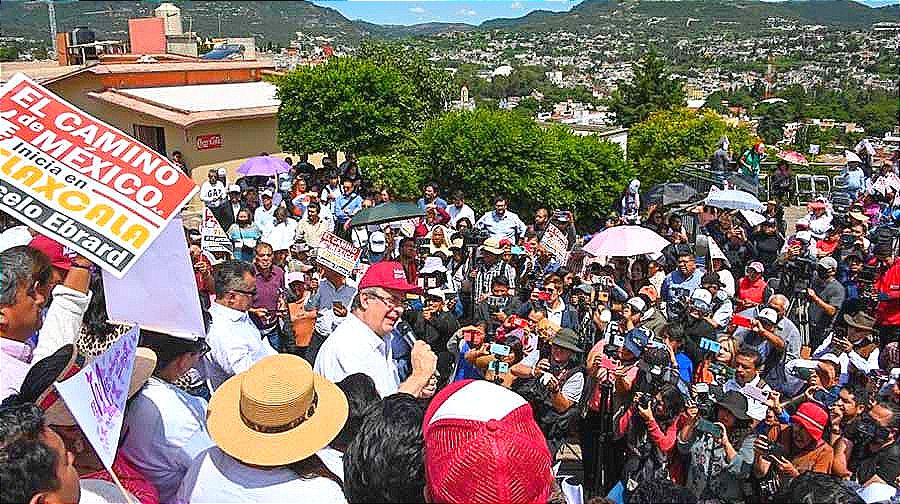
x: 118, y: 483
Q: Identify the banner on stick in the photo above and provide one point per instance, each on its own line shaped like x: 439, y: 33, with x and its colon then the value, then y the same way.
x: 96, y: 395
x: 81, y: 181
x: 212, y: 236
x: 337, y: 254
x: 555, y: 242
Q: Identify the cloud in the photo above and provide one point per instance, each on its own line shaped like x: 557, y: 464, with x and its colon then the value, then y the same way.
x: 417, y: 10
x: 466, y: 12
x: 516, y: 5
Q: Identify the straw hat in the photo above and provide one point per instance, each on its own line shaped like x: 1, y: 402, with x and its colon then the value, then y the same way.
x: 55, y: 410
x: 276, y: 413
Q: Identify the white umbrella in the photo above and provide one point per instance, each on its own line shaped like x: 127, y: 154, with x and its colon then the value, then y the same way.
x: 852, y: 157
x: 625, y: 241
x: 733, y: 199
x: 753, y: 218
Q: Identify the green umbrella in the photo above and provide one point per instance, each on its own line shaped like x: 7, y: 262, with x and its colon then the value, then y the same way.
x: 387, y: 212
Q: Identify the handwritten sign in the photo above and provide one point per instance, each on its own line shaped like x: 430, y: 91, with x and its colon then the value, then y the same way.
x: 212, y: 236
x: 96, y: 395
x: 81, y: 181
x: 337, y: 254
x: 206, y: 142
x: 555, y: 242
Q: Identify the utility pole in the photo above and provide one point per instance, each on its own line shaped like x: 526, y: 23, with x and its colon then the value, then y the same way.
x: 52, y: 12
x: 219, y: 15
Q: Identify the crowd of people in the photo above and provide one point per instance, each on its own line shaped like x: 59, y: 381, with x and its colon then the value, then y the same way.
x: 464, y: 356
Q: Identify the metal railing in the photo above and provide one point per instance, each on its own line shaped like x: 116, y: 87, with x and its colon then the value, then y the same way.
x: 699, y: 176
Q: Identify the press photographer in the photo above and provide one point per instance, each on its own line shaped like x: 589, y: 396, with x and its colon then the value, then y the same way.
x: 556, y: 388
x: 681, y: 282
x: 494, y: 309
x: 747, y: 380
x: 798, y: 448
x: 494, y: 360
x: 721, y: 308
x: 855, y: 345
x: 720, y: 449
x: 650, y: 422
x: 825, y: 298
x: 875, y: 453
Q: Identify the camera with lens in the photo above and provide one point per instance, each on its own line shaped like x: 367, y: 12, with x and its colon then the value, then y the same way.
x: 678, y: 303
x: 862, y: 432
x: 720, y: 372
x: 797, y: 276
x: 658, y: 375
x: 646, y: 401
x: 474, y: 237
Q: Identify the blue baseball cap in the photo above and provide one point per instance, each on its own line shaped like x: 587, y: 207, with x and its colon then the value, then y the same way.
x: 636, y: 339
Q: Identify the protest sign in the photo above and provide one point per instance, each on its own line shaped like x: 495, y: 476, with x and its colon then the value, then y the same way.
x: 212, y: 236
x: 82, y: 182
x: 337, y: 254
x: 555, y: 242
x: 96, y: 395
x: 160, y: 292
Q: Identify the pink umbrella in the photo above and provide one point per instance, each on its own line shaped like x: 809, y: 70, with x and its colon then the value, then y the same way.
x: 266, y: 166
x: 625, y: 241
x: 793, y: 157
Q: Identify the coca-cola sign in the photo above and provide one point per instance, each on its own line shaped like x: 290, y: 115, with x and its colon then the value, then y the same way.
x: 205, y: 142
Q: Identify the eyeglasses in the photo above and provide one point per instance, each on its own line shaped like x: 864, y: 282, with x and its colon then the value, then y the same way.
x: 245, y: 292
x: 389, y: 301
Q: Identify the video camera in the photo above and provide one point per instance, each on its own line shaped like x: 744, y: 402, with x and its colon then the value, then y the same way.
x: 474, y: 237
x: 721, y: 373
x: 658, y: 375
x: 797, y: 276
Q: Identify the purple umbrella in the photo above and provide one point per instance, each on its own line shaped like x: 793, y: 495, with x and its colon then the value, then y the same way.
x: 266, y: 166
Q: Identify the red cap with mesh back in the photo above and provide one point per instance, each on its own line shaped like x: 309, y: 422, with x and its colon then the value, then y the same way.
x: 483, y: 445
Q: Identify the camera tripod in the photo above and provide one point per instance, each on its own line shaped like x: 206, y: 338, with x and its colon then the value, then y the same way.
x: 798, y: 313
x: 602, y: 475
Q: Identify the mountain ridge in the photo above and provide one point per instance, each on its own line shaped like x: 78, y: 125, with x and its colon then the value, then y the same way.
x: 278, y: 21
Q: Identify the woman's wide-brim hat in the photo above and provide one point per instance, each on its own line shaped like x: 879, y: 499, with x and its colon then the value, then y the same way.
x: 55, y: 410
x: 276, y: 413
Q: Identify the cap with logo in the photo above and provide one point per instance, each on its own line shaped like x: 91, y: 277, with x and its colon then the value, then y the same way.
x: 377, y: 242
x: 828, y: 263
x: 769, y: 315
x: 387, y: 275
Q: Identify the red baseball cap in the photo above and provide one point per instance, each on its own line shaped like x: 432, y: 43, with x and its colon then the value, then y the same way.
x: 387, y: 275
x: 813, y: 418
x: 59, y: 256
x: 483, y: 445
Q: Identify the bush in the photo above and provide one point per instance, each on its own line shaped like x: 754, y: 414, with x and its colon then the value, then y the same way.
x: 489, y: 152
x: 658, y: 146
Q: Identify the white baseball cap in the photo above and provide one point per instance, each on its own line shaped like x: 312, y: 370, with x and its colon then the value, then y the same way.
x: 769, y: 315
x: 234, y: 188
x: 438, y: 293
x: 638, y: 304
x: 377, y: 242
x: 700, y: 295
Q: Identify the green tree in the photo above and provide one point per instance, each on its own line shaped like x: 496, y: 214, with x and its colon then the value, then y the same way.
x: 658, y: 146
x: 9, y: 53
x: 651, y: 89
x: 489, y: 152
x: 432, y: 84
x: 772, y: 119
x: 347, y: 104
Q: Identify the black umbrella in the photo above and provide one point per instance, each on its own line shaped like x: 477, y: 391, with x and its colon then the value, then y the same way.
x: 669, y: 193
x: 388, y: 212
